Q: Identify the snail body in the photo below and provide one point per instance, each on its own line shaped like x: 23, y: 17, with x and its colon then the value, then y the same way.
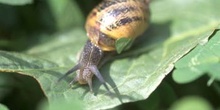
x: 110, y: 21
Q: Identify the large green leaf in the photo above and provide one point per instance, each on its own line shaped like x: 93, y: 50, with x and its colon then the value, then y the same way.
x: 133, y: 75
x: 75, y: 104
x: 16, y: 2
x: 203, y: 59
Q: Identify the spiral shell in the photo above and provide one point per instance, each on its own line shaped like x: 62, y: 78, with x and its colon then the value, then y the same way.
x: 115, y: 19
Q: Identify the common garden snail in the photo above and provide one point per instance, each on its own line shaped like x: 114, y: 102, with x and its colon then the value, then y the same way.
x: 110, y: 21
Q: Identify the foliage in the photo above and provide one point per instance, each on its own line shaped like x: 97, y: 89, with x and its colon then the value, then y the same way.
x: 40, y: 40
x: 204, y: 59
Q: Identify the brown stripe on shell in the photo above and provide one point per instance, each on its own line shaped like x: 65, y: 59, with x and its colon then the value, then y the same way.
x: 119, y: 11
x: 125, y: 21
x: 108, y: 3
x: 122, y: 10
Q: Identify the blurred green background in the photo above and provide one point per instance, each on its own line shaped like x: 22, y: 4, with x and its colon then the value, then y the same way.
x: 23, y: 25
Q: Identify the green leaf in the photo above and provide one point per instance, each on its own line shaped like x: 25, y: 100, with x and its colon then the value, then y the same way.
x: 66, y: 13
x: 75, y: 104
x: 132, y: 75
x: 16, y: 2
x: 204, y: 59
x: 191, y: 103
x: 123, y: 44
x: 5, y: 84
x: 3, y: 107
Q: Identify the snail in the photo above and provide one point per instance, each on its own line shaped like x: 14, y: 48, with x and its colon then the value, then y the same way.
x: 106, y: 24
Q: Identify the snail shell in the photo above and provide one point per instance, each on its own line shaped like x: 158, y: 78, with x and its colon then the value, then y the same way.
x: 115, y: 19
